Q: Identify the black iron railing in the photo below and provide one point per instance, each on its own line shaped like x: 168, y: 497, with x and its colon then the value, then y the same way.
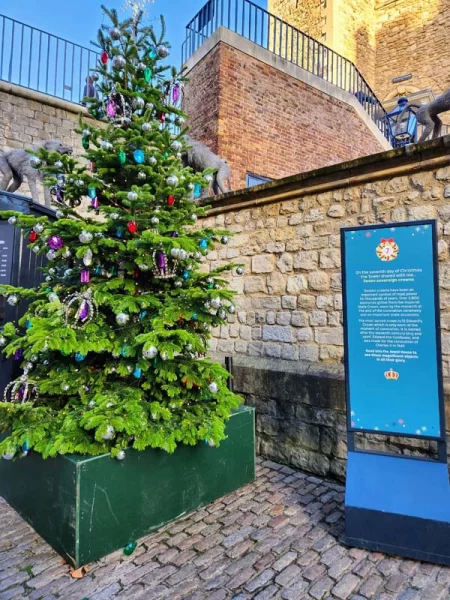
x: 268, y: 31
x: 43, y: 62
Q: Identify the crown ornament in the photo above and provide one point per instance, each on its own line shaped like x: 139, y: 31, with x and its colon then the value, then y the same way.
x: 392, y: 375
x: 80, y: 309
x: 21, y: 391
x: 163, y: 267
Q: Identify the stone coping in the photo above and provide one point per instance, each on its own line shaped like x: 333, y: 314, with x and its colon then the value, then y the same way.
x: 383, y: 165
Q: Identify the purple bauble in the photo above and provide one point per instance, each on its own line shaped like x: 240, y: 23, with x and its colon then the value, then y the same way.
x: 56, y: 242
x: 18, y: 354
x: 85, y: 276
x: 174, y: 234
x: 176, y: 93
x: 59, y: 194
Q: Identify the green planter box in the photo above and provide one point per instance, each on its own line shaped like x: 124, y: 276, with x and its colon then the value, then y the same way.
x: 87, y: 507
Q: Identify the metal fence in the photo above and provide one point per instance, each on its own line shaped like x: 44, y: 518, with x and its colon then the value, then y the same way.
x: 43, y: 62
x: 268, y: 31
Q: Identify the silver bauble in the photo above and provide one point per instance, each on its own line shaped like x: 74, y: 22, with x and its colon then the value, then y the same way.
x: 143, y: 267
x: 209, y: 280
x: 213, y: 387
x: 35, y: 162
x: 164, y: 356
x: 121, y: 455
x: 59, y: 165
x: 85, y: 237
x: 176, y: 145
x: 197, y: 255
x: 142, y: 175
x: 91, y: 403
x: 194, y: 217
x: 150, y: 352
x: 150, y: 106
x: 68, y: 272
x: 175, y: 252
x: 231, y: 309
x: 114, y: 33
x: 239, y: 270
x: 106, y: 145
x: 38, y: 228
x: 138, y: 102
x: 183, y: 254
x: 86, y: 132
x: 146, y: 126
x: 152, y: 160
x: 8, y: 455
x: 59, y: 214
x: 79, y: 182
x: 216, y: 303
x: 222, y: 314
x: 109, y: 433
x: 163, y: 51
x: 180, y: 121
x: 67, y: 253
x: 172, y: 180
x: 119, y: 62
x: 53, y: 297
x: 178, y: 283
x: 12, y: 300
x: 207, y: 305
x: 36, y: 249
x: 114, y: 216
x: 3, y: 340
x: 12, y: 220
x: 141, y: 66
x: 224, y: 239
x: 132, y: 196
x: 52, y: 271
x: 208, y: 178
x: 154, y: 220
x: 122, y: 318
x: 66, y: 388
x: 95, y: 76
x: 49, y: 278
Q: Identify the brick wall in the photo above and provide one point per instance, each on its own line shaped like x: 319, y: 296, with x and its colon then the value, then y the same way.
x: 265, y: 121
x: 28, y: 118
x: 288, y: 322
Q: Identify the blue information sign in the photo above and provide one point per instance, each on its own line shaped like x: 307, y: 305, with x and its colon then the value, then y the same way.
x: 392, y: 330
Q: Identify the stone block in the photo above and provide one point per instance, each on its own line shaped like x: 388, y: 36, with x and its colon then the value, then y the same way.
x: 289, y: 302
x: 336, y: 211
x: 443, y: 174
x: 271, y: 317
x: 263, y: 263
x: 330, y: 335
x: 308, y: 352
x: 296, y: 284
x: 330, y: 258
x: 245, y: 332
x: 289, y: 352
x: 272, y: 350
x: 285, y: 262
x: 296, y: 219
x: 305, y: 334
x: 299, y: 319
x: 276, y: 333
x: 325, y: 302
x: 419, y: 213
x: 283, y: 318
x: 276, y: 283
x: 304, y: 231
x: 318, y: 317
x: 253, y: 285
x: 306, y: 260
x: 315, y: 214
x: 318, y: 280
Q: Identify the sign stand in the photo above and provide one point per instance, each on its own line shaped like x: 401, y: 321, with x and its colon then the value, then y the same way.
x: 394, y: 503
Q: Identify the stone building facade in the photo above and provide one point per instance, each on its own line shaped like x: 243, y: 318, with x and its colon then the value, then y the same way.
x: 267, y: 116
x: 286, y: 334
x: 384, y: 38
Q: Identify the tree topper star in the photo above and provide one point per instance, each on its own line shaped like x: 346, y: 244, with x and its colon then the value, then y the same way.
x: 136, y: 6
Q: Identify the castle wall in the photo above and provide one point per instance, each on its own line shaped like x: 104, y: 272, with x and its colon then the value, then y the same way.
x: 287, y: 335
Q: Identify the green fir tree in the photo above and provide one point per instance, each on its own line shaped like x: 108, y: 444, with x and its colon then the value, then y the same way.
x: 114, y: 342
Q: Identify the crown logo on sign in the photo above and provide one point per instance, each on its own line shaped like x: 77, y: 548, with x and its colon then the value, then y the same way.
x: 392, y: 375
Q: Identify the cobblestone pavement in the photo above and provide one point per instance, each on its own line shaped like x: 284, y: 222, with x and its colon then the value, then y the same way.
x: 275, y: 538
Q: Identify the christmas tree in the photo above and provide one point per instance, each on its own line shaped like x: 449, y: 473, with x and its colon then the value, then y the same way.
x: 113, y: 344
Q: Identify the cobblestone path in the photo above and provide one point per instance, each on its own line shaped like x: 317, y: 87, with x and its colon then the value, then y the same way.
x: 276, y: 538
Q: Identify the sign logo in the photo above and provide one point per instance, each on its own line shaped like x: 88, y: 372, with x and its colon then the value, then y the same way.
x: 392, y: 375
x: 387, y: 250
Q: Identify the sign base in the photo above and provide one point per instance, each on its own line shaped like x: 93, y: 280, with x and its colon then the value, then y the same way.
x: 398, y: 505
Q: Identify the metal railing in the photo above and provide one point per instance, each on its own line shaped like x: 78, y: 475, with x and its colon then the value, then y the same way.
x: 43, y: 62
x: 268, y: 31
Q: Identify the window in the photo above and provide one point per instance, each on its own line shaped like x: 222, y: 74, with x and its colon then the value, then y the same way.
x: 253, y: 180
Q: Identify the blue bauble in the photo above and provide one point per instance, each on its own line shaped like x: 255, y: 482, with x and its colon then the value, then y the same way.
x: 120, y: 231
x: 124, y: 351
x: 194, y: 316
x: 80, y: 357
x: 142, y: 315
x: 28, y: 324
x: 197, y: 190
x: 203, y: 244
x: 137, y: 373
x: 139, y: 156
x: 92, y: 192
x: 186, y: 274
x: 26, y: 446
x: 152, y: 53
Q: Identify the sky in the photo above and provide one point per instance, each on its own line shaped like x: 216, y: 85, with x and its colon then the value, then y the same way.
x: 78, y: 20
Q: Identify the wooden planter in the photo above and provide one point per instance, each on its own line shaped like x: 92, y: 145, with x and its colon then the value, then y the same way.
x: 87, y: 507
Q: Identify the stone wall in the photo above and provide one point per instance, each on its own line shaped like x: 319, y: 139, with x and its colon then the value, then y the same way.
x: 28, y: 117
x: 289, y: 302
x: 268, y: 117
x: 384, y: 38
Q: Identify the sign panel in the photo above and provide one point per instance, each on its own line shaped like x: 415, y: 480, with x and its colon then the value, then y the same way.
x: 391, y: 309
x: 6, y: 251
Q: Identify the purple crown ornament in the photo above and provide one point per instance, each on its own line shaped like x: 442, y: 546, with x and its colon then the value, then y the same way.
x: 163, y: 267
x: 111, y: 109
x: 20, y: 391
x: 80, y: 309
x: 85, y: 276
x: 56, y: 242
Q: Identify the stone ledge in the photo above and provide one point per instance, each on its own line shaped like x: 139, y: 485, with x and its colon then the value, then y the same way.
x: 383, y: 165
x: 18, y: 90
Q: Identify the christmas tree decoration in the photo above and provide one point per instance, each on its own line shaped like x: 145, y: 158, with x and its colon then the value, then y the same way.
x: 148, y: 74
x: 231, y: 309
x: 8, y: 455
x: 213, y: 387
x: 139, y: 156
x: 224, y: 239
x: 132, y: 226
x: 55, y: 242
x: 119, y: 62
x: 130, y: 548
x: 107, y: 348
x: 239, y: 271
x: 122, y: 319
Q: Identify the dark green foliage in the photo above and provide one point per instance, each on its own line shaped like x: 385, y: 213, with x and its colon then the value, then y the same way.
x: 100, y: 380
